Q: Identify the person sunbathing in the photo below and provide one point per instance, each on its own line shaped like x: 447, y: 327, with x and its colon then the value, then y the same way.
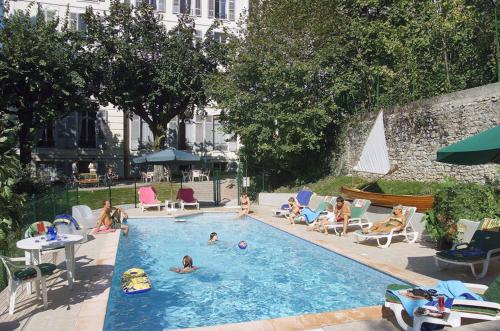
x: 396, y: 222
x: 111, y: 219
x: 245, y: 205
x: 342, y: 214
x: 294, y: 210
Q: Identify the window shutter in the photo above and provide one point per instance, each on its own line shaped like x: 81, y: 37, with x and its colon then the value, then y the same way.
x: 73, y: 21
x: 135, y: 131
x: 211, y: 8
x: 152, y: 3
x: 222, y: 9
x: 231, y: 10
x: 176, y: 7
x: 198, y: 8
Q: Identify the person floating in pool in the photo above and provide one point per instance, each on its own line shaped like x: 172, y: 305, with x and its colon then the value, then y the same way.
x: 213, y: 238
x: 188, y: 267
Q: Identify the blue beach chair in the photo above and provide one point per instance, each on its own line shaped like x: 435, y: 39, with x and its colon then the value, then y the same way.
x: 303, y: 198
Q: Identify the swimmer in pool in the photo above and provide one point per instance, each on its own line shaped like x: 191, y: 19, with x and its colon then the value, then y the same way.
x: 188, y: 267
x: 213, y: 238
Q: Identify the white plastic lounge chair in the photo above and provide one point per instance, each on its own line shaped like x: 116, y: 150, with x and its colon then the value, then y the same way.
x: 358, y: 210
x: 488, y: 244
x: 408, y: 232
x: 84, y: 215
x: 470, y: 309
x: 18, y: 275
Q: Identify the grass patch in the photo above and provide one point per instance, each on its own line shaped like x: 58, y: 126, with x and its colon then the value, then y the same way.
x: 331, y: 186
x: 123, y: 195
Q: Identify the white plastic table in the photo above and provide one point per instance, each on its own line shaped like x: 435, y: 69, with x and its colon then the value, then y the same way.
x: 35, y: 245
x: 171, y: 204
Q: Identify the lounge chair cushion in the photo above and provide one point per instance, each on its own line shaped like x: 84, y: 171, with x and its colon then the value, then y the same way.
x: 357, y: 212
x: 493, y: 292
x: 467, y: 254
x: 46, y: 269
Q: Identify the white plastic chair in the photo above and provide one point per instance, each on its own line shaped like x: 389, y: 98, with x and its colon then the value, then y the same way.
x: 186, y: 176
x: 15, y: 283
x: 84, y: 215
x: 206, y: 175
x: 196, y: 175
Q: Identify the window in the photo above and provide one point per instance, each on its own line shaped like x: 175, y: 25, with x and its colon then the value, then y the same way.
x: 47, y: 139
x: 198, y: 35
x: 161, y: 6
x: 87, y: 121
x: 222, y: 9
x: 191, y: 7
x: 220, y: 37
x: 77, y: 22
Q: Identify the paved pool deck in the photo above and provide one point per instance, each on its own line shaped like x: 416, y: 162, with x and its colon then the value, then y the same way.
x: 84, y: 307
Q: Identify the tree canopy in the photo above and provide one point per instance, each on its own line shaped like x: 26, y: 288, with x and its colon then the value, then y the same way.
x: 301, y: 69
x: 147, y: 70
x: 44, y: 74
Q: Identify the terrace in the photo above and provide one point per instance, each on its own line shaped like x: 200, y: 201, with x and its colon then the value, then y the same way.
x: 84, y: 307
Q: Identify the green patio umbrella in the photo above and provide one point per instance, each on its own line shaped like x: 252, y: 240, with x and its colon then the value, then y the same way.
x: 481, y: 148
x: 168, y: 156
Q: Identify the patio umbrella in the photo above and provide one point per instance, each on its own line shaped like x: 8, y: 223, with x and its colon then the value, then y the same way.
x: 167, y: 156
x: 481, y: 148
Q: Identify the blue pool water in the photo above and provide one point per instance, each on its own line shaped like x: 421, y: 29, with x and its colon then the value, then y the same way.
x: 277, y: 275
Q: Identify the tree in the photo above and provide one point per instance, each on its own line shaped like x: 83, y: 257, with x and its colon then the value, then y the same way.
x: 44, y: 74
x: 300, y: 70
x: 148, y: 71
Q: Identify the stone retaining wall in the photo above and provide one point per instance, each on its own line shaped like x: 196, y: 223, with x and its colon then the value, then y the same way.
x: 415, y: 132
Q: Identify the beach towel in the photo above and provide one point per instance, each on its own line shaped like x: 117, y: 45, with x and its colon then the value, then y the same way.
x: 103, y: 229
x: 309, y: 215
x: 452, y: 289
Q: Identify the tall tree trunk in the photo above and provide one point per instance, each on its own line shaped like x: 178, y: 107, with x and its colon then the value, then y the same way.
x: 181, y: 142
x: 24, y: 145
x: 126, y: 145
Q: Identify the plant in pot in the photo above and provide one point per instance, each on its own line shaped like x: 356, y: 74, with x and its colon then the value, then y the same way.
x: 441, y: 229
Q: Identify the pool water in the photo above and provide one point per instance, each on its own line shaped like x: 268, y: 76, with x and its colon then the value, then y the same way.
x: 278, y: 275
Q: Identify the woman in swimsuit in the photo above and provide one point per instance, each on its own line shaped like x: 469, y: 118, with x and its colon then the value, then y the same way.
x: 396, y: 221
x: 245, y: 205
x: 294, y: 210
x: 188, y: 267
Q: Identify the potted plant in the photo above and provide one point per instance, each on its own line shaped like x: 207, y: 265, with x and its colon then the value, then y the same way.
x: 441, y: 229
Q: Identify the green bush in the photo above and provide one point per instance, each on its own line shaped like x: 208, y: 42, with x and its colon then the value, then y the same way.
x: 455, y: 201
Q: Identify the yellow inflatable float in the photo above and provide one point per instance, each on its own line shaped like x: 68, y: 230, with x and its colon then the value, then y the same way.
x: 135, y: 281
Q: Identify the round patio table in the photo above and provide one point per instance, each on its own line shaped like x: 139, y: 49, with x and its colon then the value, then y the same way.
x: 35, y: 245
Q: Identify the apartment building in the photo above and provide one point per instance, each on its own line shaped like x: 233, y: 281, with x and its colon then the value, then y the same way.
x: 102, y: 136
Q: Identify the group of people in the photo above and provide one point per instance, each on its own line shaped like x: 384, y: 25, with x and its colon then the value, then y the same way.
x: 341, y: 213
x: 187, y: 261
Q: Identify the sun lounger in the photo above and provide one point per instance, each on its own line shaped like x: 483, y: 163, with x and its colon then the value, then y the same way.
x: 310, y: 216
x: 147, y: 198
x: 303, y: 198
x: 485, y: 307
x: 408, y: 232
x: 186, y: 198
x: 483, y: 248
x: 358, y: 210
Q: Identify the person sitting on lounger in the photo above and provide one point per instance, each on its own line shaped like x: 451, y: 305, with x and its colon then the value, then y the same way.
x: 245, y: 205
x: 294, y: 210
x: 323, y: 219
x: 188, y: 267
x: 342, y: 214
x: 112, y: 218
x: 396, y: 221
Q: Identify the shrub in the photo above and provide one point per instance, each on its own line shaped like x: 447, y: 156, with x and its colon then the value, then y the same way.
x: 455, y: 201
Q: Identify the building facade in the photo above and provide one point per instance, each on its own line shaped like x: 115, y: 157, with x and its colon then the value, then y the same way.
x: 107, y: 136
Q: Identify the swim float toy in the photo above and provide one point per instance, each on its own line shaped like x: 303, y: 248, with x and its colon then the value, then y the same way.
x: 135, y: 281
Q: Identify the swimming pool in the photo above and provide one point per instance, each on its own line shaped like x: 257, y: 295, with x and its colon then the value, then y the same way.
x: 278, y: 275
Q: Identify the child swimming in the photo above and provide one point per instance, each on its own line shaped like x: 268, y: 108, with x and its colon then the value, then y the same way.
x: 213, y: 238
x: 188, y: 267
